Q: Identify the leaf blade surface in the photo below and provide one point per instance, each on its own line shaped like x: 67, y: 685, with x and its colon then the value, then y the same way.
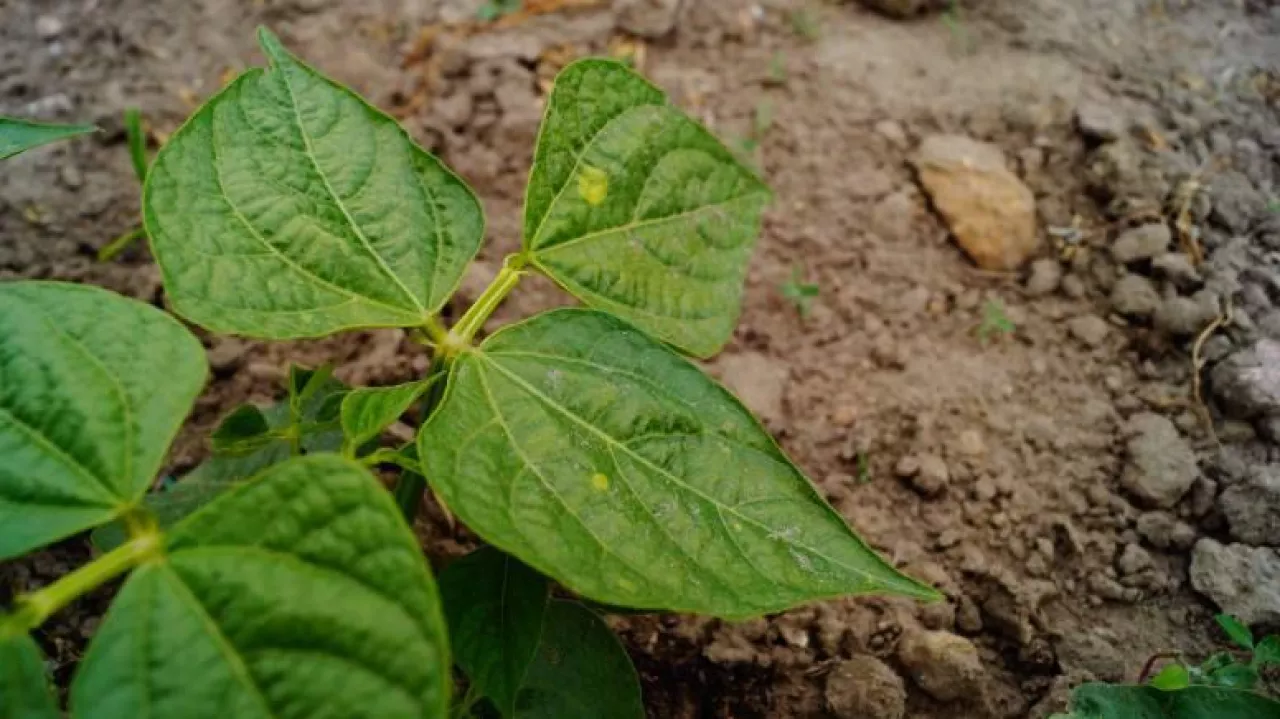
x: 599, y: 457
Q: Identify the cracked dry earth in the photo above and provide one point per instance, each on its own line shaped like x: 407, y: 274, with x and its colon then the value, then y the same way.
x: 1023, y: 434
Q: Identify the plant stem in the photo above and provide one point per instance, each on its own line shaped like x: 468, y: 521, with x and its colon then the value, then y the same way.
x: 411, y: 485
x: 118, y: 245
x: 493, y: 295
x: 137, y: 143
x: 435, y: 330
x: 1151, y: 664
x: 31, y: 610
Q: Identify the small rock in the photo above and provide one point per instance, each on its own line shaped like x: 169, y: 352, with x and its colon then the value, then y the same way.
x: 1165, y: 531
x: 760, y: 382
x: 1141, y: 243
x: 1134, y: 296
x: 1133, y: 559
x: 944, y: 665
x: 1161, y: 466
x: 227, y: 355
x: 1044, y: 278
x: 1086, y: 650
x: 989, y: 210
x: 1107, y: 588
x: 893, y: 131
x: 48, y: 27
x: 1074, y: 287
x: 1186, y: 316
x: 1089, y: 329
x: 1243, y: 581
x: 1100, y: 121
x: 907, y: 467
x: 71, y: 177
x: 932, y: 477
x: 1247, y: 383
x: 1252, y: 507
x: 864, y: 687
x: 1177, y: 268
x: 650, y: 19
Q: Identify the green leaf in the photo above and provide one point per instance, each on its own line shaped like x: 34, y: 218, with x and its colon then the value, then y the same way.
x: 1236, y: 630
x: 245, y: 428
x: 599, y: 457
x: 137, y: 138
x: 287, y: 206
x: 1236, y: 676
x: 580, y: 670
x: 1267, y: 653
x: 495, y: 608
x: 300, y: 593
x: 1114, y: 701
x: 369, y: 410
x: 199, y: 487
x: 93, y: 387
x: 18, y: 136
x: 1171, y: 677
x: 636, y: 209
x: 24, y: 687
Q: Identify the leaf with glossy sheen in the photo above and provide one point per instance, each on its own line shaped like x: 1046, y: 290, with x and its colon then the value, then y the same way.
x: 601, y: 458
x: 1235, y: 630
x: 1114, y: 701
x: 495, y: 608
x: 369, y: 410
x: 287, y: 206
x: 580, y: 670
x: 298, y: 594
x: 93, y: 387
x: 24, y: 687
x: 18, y: 136
x: 636, y: 209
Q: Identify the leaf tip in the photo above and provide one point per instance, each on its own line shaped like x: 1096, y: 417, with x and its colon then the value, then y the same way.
x: 271, y: 45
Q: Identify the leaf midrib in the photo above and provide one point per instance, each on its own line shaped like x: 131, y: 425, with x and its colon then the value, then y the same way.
x: 612, y: 442
x: 324, y: 179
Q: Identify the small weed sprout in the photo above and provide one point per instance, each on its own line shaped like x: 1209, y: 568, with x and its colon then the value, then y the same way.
x: 800, y: 293
x: 804, y: 23
x: 995, y: 322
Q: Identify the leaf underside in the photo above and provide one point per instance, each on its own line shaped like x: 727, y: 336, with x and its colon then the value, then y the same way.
x: 1113, y: 701
x: 84, y: 425
x: 495, y: 607
x: 596, y: 455
x: 17, y: 136
x: 636, y: 209
x: 580, y: 670
x: 287, y: 206
x: 24, y: 688
x: 298, y: 594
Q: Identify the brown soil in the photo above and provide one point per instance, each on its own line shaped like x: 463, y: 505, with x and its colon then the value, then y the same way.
x: 991, y: 468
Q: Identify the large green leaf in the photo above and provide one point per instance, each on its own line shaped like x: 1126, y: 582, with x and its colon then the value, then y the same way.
x: 495, y: 607
x: 298, y: 594
x: 636, y: 209
x: 20, y: 135
x: 24, y: 688
x: 93, y: 388
x: 597, y: 456
x: 580, y: 670
x: 1114, y: 701
x: 287, y: 206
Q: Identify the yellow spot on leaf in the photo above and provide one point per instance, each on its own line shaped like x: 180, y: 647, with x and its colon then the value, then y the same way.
x: 593, y: 185
x: 599, y: 481
x: 627, y: 584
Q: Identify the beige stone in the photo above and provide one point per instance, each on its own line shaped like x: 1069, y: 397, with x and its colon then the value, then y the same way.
x: 991, y: 213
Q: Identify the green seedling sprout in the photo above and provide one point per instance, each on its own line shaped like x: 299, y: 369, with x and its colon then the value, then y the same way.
x: 137, y: 140
x: 995, y: 322
x: 800, y: 293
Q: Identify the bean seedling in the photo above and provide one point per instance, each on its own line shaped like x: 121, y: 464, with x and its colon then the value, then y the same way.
x: 278, y: 578
x: 800, y: 293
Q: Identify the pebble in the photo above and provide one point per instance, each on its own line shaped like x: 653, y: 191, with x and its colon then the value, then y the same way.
x: 932, y: 477
x: 1252, y: 507
x: 1091, y: 330
x: 863, y: 687
x: 1044, y: 278
x: 1177, y: 268
x: 1100, y: 121
x: 760, y: 381
x: 1186, y: 316
x: 1247, y: 383
x: 1133, y: 559
x: 1135, y: 297
x: 944, y: 665
x: 1165, y: 531
x: 1074, y: 287
x: 1161, y: 466
x: 48, y: 27
x: 1243, y: 581
x: 1141, y: 243
x: 893, y: 131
